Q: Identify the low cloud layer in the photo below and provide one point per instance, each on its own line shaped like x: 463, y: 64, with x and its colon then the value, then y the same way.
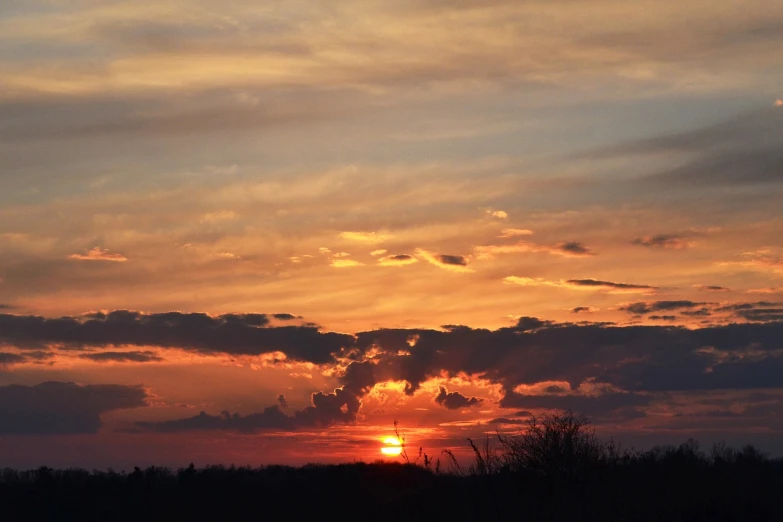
x: 62, y: 407
x: 235, y: 334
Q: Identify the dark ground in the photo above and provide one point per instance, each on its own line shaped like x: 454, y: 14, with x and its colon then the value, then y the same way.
x: 674, y: 484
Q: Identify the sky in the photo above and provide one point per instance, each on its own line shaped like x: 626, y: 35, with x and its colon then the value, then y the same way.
x: 261, y: 232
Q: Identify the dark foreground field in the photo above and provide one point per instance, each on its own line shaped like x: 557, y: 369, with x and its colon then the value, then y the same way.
x: 549, y: 474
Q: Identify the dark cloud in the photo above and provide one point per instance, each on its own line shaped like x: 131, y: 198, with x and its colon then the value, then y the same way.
x: 447, y: 259
x: 245, y: 334
x: 625, y: 405
x: 507, y: 420
x: 701, y: 312
x: 5, y: 306
x: 663, y: 317
x: 641, y: 308
x: 575, y: 248
x: 762, y: 314
x: 145, y: 356
x: 7, y: 358
x: 11, y: 358
x: 62, y: 407
x: 285, y: 317
x: 455, y: 400
x: 580, y: 309
x: 735, y: 307
x: 281, y: 400
x: 661, y: 241
x: 712, y: 288
x: 326, y: 409
x: 608, y: 284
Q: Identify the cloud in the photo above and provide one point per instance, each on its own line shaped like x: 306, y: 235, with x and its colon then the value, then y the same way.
x: 670, y: 241
x: 620, y: 287
x: 581, y: 284
x: 566, y: 249
x: 711, y: 288
x: 500, y: 214
x: 378, y: 252
x: 574, y: 248
x: 583, y: 309
x: 233, y: 334
x: 762, y: 314
x: 143, y: 356
x: 449, y: 262
x: 63, y: 407
x: 769, y: 290
x: 99, y: 254
x: 778, y: 103
x: 514, y: 232
x: 365, y: 237
x: 640, y: 308
x: 397, y: 260
x: 326, y: 409
x: 612, y: 404
x: 764, y: 259
x: 455, y: 400
x: 746, y: 150
x: 345, y: 263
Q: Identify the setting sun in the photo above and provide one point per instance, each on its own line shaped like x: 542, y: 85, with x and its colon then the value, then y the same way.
x: 393, y: 446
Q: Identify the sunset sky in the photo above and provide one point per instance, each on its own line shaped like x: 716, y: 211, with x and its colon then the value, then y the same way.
x: 252, y: 232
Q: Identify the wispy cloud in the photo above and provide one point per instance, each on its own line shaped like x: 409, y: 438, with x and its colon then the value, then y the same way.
x: 365, y: 237
x: 345, y: 263
x: 582, y: 284
x: 99, y: 254
x: 671, y: 241
x: 514, y: 232
x: 566, y: 249
x: 450, y: 262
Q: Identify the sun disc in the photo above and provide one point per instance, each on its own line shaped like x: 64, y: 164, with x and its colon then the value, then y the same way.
x: 391, y: 450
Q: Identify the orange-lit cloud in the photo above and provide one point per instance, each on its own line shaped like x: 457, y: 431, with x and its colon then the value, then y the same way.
x: 583, y: 284
x: 345, y: 263
x: 365, y: 237
x: 449, y: 262
x: 99, y: 254
x: 514, y: 232
x: 397, y: 260
x: 565, y: 249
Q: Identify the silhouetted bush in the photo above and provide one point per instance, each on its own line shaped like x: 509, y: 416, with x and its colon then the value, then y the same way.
x: 556, y: 469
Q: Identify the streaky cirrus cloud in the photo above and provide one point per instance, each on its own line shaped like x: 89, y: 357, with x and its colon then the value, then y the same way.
x: 99, y: 254
x: 365, y: 237
x: 132, y: 356
x: 63, y: 407
x: 582, y: 284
